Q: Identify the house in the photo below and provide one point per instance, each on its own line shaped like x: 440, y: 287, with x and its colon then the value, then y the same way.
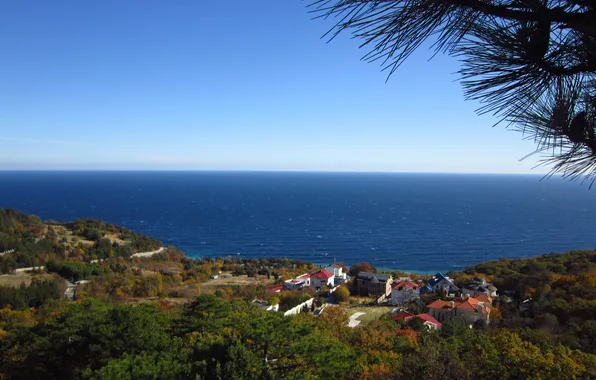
x: 338, y: 273
x: 471, y: 309
x: 265, y: 305
x: 439, y: 284
x: 297, y: 283
x: 404, y: 292
x: 484, y: 298
x: 430, y: 322
x: 373, y: 284
x: 477, y: 287
x: 321, y: 278
x: 274, y: 289
x: 402, y: 315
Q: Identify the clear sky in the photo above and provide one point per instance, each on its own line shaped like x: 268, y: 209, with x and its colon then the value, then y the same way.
x: 226, y: 85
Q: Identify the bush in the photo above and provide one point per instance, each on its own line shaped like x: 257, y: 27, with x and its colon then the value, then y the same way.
x: 342, y: 294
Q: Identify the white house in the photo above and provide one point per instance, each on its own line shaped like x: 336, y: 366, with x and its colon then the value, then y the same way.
x: 404, y: 292
x: 297, y: 283
x: 321, y: 278
x: 338, y: 273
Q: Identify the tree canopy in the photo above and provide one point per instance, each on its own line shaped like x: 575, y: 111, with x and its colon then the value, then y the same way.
x: 530, y: 62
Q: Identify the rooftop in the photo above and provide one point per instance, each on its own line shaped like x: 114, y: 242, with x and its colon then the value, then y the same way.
x: 427, y: 318
x: 407, y: 284
x: 321, y: 275
x: 470, y: 303
x: 375, y: 277
x: 402, y: 315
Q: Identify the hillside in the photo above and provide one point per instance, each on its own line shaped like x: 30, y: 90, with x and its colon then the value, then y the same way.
x: 548, y: 299
x: 30, y: 242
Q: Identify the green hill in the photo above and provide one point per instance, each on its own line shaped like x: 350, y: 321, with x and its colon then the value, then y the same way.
x: 35, y: 242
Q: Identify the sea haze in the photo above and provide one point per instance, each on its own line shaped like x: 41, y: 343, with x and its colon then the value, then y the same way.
x: 415, y: 222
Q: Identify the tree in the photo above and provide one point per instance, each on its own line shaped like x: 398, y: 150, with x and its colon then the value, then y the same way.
x: 342, y: 294
x: 362, y: 267
x: 530, y: 62
x: 274, y: 301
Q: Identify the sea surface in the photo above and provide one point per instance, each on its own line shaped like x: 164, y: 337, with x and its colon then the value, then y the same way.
x: 412, y: 222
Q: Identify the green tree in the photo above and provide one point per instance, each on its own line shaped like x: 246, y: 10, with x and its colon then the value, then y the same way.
x: 342, y: 294
x: 208, y: 313
x: 162, y: 365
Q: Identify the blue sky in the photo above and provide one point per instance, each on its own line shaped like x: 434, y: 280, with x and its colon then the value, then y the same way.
x: 226, y: 85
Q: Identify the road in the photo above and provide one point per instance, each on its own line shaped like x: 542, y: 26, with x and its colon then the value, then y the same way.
x: 28, y: 269
x: 140, y: 254
x: 149, y: 254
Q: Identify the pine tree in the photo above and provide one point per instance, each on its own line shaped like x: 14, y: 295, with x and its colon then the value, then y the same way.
x: 530, y: 62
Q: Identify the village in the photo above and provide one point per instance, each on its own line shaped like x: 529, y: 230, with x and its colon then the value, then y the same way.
x: 372, y: 295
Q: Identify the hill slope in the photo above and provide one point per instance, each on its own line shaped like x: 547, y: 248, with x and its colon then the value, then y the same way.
x: 30, y: 242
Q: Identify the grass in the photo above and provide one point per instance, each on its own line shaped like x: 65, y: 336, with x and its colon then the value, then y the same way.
x: 237, y: 280
x: 371, y: 313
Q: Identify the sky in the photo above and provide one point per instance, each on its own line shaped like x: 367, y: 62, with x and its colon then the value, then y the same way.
x: 227, y: 85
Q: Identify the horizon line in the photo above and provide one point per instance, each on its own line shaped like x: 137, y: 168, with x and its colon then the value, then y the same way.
x: 275, y: 171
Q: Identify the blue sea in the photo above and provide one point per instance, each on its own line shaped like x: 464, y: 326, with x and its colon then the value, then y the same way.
x: 412, y: 222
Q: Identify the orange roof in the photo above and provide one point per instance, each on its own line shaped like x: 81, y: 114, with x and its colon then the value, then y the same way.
x: 469, y: 303
x: 484, y: 298
x: 408, y: 284
x: 439, y: 304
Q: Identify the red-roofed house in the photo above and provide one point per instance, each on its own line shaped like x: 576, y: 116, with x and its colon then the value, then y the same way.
x: 404, y: 292
x: 429, y: 321
x: 471, y: 309
x: 321, y: 278
x: 275, y: 289
x: 402, y: 315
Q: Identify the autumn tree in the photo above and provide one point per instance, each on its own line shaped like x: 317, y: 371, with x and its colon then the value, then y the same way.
x: 530, y: 62
x: 362, y: 267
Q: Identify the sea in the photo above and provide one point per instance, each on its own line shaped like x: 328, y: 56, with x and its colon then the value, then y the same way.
x: 408, y: 221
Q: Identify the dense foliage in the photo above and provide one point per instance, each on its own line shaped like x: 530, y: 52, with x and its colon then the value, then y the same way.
x: 226, y: 337
x: 549, y: 299
x: 33, y: 295
x: 212, y: 338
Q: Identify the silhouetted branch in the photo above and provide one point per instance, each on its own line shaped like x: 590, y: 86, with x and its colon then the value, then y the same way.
x: 524, y: 60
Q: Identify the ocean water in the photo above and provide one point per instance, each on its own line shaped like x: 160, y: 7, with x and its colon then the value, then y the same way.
x: 414, y: 222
